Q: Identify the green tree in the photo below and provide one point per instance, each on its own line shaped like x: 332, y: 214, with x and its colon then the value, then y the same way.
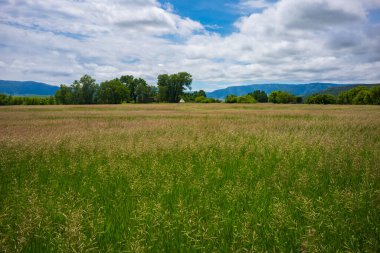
x: 138, y: 88
x: 172, y: 87
x: 362, y: 98
x: 347, y: 97
x: 130, y: 82
x: 64, y: 95
x: 260, y: 96
x: 145, y: 93
x: 84, y: 90
x: 375, y: 95
x: 113, y: 92
x: 321, y: 99
x: 4, y: 99
x: 191, y: 96
x: 282, y: 97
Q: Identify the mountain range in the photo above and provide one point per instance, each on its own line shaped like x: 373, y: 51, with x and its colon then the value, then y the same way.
x: 27, y: 88
x: 296, y: 89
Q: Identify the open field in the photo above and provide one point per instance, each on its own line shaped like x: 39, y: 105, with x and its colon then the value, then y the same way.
x: 190, y: 178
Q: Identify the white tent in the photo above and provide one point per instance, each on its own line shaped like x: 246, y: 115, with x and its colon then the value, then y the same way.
x: 182, y: 101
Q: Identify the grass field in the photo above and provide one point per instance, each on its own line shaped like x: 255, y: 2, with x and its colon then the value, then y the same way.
x: 190, y: 178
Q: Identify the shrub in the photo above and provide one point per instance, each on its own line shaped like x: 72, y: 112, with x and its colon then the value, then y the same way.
x: 231, y: 99
x: 247, y: 99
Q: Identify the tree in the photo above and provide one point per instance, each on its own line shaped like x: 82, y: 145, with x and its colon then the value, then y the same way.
x: 282, y: 97
x: 171, y: 87
x: 4, y: 99
x: 64, y: 95
x: 113, y: 92
x: 362, y: 98
x: 375, y: 95
x: 136, y: 86
x: 321, y: 99
x: 347, y: 97
x: 130, y: 82
x: 260, y: 96
x: 84, y: 90
x: 191, y: 96
x: 145, y: 93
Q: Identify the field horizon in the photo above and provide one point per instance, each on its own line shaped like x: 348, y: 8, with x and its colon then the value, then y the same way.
x: 190, y: 178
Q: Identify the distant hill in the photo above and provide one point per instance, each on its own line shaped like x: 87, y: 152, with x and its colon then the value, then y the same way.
x: 336, y: 90
x: 296, y: 89
x: 28, y: 88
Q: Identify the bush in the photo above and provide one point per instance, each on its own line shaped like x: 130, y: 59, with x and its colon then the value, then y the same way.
x: 231, y: 99
x: 203, y: 99
x: 199, y: 99
x: 247, y: 99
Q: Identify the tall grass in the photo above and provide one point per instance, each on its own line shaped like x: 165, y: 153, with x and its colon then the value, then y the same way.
x: 190, y: 178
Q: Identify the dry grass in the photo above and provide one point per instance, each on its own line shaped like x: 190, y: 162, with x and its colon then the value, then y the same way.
x: 192, y: 178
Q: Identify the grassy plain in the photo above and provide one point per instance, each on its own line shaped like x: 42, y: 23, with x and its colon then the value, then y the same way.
x: 190, y: 178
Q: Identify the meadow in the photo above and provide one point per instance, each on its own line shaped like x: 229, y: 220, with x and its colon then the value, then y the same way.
x: 190, y: 178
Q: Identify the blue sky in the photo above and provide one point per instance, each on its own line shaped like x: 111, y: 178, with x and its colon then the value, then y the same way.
x: 218, y: 15
x: 221, y: 42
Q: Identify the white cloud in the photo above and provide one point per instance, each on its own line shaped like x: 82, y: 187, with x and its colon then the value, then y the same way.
x: 254, y: 4
x: 288, y: 41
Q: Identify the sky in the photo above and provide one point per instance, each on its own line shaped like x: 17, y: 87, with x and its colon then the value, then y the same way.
x: 221, y: 42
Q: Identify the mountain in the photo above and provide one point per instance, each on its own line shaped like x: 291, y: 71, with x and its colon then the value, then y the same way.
x: 296, y: 89
x: 336, y: 90
x: 28, y: 88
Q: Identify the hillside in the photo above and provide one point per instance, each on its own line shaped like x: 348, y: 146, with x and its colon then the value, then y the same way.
x: 296, y: 89
x: 336, y: 90
x: 27, y: 88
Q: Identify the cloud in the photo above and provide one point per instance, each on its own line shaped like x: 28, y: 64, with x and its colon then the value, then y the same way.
x: 254, y: 4
x: 301, y: 41
x: 246, y: 7
x: 286, y: 41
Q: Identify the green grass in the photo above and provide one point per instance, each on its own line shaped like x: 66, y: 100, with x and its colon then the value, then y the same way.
x: 190, y: 178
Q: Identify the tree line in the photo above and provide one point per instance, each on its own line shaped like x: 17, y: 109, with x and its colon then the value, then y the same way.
x: 126, y: 89
x: 172, y: 88
x: 259, y: 96
x: 17, y: 100
x: 359, y: 95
